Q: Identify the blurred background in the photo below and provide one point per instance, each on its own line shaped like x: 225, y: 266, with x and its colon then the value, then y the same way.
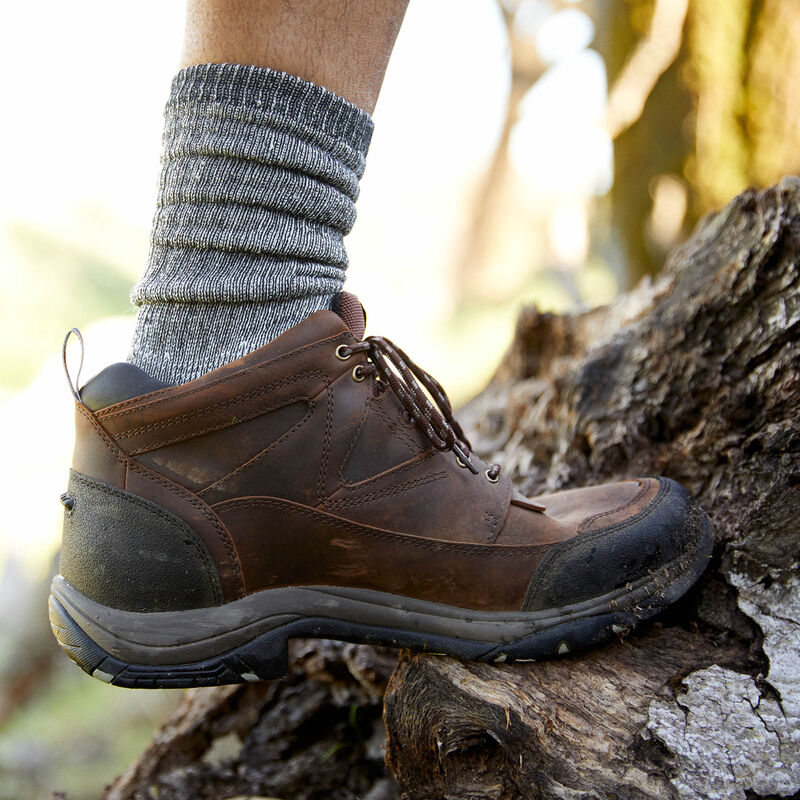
x: 530, y: 151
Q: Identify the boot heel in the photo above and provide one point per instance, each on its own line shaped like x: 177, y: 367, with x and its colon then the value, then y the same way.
x: 265, y: 659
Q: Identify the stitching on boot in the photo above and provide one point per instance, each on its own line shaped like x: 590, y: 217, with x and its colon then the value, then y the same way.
x: 129, y: 463
x: 258, y: 456
x: 326, y: 442
x: 589, y: 521
x: 218, y: 406
x: 346, y: 502
x: 168, y: 394
x: 510, y: 551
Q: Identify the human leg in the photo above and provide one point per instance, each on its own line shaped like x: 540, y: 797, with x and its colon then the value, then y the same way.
x: 260, y: 175
x: 344, y: 47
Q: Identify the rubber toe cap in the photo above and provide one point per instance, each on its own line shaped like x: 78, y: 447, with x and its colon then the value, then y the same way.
x: 599, y: 560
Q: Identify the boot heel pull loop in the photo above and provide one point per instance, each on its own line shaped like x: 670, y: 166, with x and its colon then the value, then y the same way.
x: 73, y: 386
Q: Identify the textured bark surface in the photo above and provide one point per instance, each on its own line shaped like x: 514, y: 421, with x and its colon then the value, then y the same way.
x: 315, y: 735
x: 695, y: 377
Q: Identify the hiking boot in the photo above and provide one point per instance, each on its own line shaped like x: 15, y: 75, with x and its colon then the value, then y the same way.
x: 320, y: 487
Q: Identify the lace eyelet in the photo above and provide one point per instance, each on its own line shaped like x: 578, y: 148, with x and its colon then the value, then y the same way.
x: 460, y: 463
x: 343, y: 352
x: 490, y: 478
x: 358, y: 373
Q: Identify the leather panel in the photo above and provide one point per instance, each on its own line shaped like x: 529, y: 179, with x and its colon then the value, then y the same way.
x: 220, y: 399
x: 526, y: 526
x: 417, y: 497
x: 589, y: 505
x: 291, y: 467
x: 384, y: 439
x: 223, y: 407
x: 285, y: 544
x: 102, y: 459
x: 204, y: 460
x: 92, y: 455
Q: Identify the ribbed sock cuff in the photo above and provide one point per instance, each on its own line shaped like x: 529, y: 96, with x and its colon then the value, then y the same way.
x: 258, y: 187
x: 280, y: 100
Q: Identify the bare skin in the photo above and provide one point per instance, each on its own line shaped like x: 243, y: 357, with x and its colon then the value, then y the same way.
x: 343, y: 46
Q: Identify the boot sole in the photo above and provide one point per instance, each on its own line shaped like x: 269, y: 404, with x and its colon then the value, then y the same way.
x: 247, y: 640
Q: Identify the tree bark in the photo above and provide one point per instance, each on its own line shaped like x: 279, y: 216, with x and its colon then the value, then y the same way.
x: 315, y: 735
x: 695, y: 377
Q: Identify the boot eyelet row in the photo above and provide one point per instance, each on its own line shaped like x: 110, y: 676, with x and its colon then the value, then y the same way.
x: 343, y: 352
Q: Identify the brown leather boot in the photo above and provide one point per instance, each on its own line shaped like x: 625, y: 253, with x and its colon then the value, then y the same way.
x: 313, y: 489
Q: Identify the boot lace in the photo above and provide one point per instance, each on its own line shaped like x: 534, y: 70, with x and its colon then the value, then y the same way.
x: 415, y: 388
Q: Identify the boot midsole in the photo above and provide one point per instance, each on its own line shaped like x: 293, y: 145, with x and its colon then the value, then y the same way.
x: 177, y: 637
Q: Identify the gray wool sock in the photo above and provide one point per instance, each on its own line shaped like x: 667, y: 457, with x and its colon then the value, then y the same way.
x: 258, y: 187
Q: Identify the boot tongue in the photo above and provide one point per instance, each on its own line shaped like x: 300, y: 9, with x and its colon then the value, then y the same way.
x: 349, y: 308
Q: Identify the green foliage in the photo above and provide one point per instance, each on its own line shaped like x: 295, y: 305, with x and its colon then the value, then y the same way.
x: 75, y: 736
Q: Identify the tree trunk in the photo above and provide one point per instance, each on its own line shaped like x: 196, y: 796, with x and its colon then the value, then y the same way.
x: 654, y: 146
x: 695, y: 377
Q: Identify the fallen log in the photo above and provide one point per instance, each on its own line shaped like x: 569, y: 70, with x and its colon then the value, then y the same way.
x: 694, y: 376
x: 317, y: 734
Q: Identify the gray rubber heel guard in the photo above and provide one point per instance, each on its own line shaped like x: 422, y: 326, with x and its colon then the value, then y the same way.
x: 128, y: 553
